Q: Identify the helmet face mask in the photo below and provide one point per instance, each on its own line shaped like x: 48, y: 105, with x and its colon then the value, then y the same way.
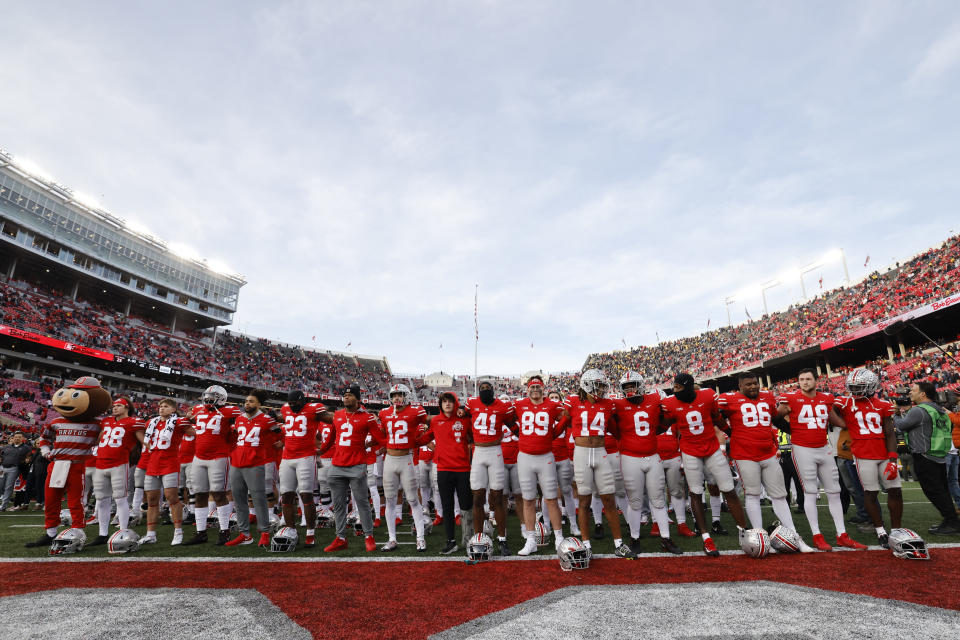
x: 479, y: 548
x: 214, y: 396
x: 594, y: 383
x: 399, y: 394
x: 906, y: 544
x: 862, y: 383
x: 284, y: 540
x: 632, y: 384
x: 573, y: 554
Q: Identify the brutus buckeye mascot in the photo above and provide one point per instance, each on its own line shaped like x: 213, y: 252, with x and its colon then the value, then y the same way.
x: 67, y: 441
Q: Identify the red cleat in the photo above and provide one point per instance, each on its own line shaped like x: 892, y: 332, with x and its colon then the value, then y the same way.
x: 655, y: 530
x: 820, y: 543
x: 337, y: 544
x: 846, y: 541
x: 684, y: 530
x: 458, y: 520
x: 709, y: 548
x: 376, y: 523
x: 264, y: 539
x: 438, y: 521
x: 309, y: 542
x: 243, y: 538
x: 371, y: 543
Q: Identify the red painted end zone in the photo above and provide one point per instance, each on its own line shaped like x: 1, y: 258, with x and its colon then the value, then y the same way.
x: 351, y: 598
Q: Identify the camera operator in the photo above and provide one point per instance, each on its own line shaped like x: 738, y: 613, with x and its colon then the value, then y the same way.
x: 927, y: 430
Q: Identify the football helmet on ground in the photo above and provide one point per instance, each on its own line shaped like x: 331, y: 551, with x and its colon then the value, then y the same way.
x: 123, y: 541
x: 284, y: 540
x: 755, y: 542
x: 906, y: 544
x: 480, y: 548
x: 68, y: 541
x: 573, y: 554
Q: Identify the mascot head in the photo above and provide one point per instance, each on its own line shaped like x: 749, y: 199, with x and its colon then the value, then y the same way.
x: 83, y: 400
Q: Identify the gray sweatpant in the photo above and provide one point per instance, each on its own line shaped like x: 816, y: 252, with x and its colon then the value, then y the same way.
x: 249, y: 480
x: 342, y: 480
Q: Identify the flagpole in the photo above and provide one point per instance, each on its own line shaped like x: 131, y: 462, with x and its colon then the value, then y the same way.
x: 476, y: 336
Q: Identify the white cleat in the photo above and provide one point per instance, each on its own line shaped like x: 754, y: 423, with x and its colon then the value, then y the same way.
x: 148, y: 540
x: 805, y: 548
x: 528, y: 548
x: 421, y: 544
x: 177, y: 537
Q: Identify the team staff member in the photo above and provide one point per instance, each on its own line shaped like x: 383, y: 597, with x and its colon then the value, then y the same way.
x: 451, y: 455
x: 351, y: 426
x: 930, y: 446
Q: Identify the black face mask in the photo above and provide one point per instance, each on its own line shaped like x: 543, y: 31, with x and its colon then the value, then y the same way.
x: 687, y: 395
x: 296, y: 401
x: 486, y: 396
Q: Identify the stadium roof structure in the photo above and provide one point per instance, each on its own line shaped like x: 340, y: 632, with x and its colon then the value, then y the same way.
x: 47, y: 224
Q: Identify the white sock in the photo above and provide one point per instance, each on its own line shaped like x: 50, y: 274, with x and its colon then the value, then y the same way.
x: 570, y: 507
x: 596, y: 506
x: 586, y: 543
x: 705, y: 536
x: 836, y: 510
x: 137, y: 499
x: 621, y: 502
x: 151, y: 534
x: 617, y: 542
x: 751, y: 504
x: 52, y: 532
x: 103, y: 515
x: 810, y: 509
x: 716, y: 505
x: 310, y: 532
x: 375, y: 496
x: 202, y: 513
x: 523, y: 529
x: 662, y: 519
x: 557, y: 536
x: 881, y: 531
x: 633, y: 519
x: 391, y: 520
x: 123, y: 513
x: 223, y: 515
x: 782, y: 510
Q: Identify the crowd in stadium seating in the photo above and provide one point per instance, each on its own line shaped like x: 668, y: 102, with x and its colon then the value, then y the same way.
x: 929, y: 276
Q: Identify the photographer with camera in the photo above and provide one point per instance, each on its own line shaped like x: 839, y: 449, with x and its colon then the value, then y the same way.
x: 927, y: 429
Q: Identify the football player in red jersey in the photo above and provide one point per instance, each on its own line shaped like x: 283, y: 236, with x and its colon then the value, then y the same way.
x: 638, y: 417
x: 753, y: 447
x: 213, y: 421
x: 696, y: 414
x: 163, y: 435
x: 401, y: 423
x: 809, y: 412
x: 298, y: 468
x: 120, y: 434
x: 874, y: 446
x: 591, y: 416
x: 487, y: 415
x: 351, y: 426
x: 668, y: 448
x: 539, y: 422
x: 258, y: 437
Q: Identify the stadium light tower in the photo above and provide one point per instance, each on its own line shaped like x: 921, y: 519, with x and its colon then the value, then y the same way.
x: 729, y: 300
x: 763, y: 291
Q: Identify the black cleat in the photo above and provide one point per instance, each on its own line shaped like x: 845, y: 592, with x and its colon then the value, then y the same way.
x: 98, y: 541
x: 598, y: 531
x: 200, y: 537
x: 42, y: 541
x: 717, y: 529
x: 450, y: 548
x: 224, y: 537
x: 504, y: 549
x: 191, y: 519
x: 667, y: 545
x: 635, y: 545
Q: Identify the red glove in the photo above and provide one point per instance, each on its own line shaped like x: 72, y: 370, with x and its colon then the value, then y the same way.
x: 890, y: 471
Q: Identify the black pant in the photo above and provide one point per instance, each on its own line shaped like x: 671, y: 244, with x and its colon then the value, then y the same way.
x: 933, y: 480
x: 790, y: 473
x: 449, y: 482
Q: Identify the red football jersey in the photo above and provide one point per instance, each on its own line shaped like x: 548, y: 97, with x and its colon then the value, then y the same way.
x: 561, y: 447
x: 589, y: 418
x: 808, y: 417
x: 539, y: 425
x: 326, y: 432
x: 694, y: 422
x: 668, y: 446
x: 638, y: 425
x: 426, y: 454
x: 486, y: 420
x: 300, y: 430
x: 452, y: 452
x: 752, y: 435
x: 349, y: 436
x: 401, y: 427
x: 864, y: 418
x: 117, y: 439
x: 165, y: 437
x: 510, y: 446
x: 254, y: 443
x: 214, y: 430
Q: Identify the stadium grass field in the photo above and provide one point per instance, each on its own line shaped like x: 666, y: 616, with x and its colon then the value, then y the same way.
x: 20, y: 527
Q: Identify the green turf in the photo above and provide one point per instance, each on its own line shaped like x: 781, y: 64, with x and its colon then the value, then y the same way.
x: 19, y: 527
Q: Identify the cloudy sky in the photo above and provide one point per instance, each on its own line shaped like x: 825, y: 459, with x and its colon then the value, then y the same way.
x: 605, y: 173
